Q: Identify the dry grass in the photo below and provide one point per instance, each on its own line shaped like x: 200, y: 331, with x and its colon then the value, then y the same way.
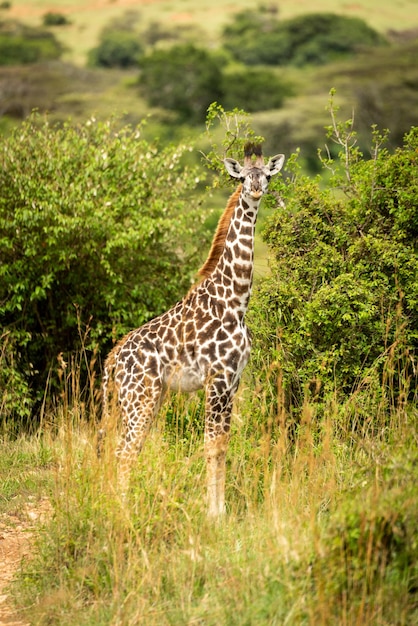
x: 320, y: 526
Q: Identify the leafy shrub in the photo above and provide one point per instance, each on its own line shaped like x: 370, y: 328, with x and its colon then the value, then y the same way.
x: 117, y: 48
x: 369, y: 551
x: 185, y: 79
x: 14, y: 384
x: 23, y: 44
x: 253, y: 90
x: 53, y: 18
x: 315, y: 38
x: 90, y: 223
x: 340, y: 306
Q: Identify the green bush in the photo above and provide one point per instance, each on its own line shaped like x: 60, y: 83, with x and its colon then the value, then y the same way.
x: 90, y: 223
x: 339, y: 310
x: 22, y: 44
x: 117, y: 48
x: 369, y: 547
x: 15, y: 391
x: 315, y: 38
x: 52, y: 18
x: 253, y: 90
x: 184, y: 79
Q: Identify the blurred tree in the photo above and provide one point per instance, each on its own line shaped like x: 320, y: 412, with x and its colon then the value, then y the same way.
x: 318, y: 38
x: 52, y: 18
x: 117, y: 48
x: 185, y: 79
x: 21, y: 44
x: 98, y: 233
x: 339, y: 310
x: 253, y: 89
x: 119, y: 44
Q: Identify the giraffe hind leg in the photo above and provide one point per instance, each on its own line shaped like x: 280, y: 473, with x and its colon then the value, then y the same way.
x: 139, y: 406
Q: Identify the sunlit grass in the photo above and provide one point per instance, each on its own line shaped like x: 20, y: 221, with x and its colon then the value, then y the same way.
x: 321, y: 519
x: 319, y: 526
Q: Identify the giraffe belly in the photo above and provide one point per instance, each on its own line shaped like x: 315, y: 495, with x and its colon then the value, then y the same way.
x: 184, y: 378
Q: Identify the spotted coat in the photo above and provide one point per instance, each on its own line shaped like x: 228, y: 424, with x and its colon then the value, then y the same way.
x: 201, y: 342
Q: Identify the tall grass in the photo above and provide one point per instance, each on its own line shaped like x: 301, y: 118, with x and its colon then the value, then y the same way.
x: 320, y: 528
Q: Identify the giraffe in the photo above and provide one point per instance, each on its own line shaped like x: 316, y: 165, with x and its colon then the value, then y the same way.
x: 201, y: 342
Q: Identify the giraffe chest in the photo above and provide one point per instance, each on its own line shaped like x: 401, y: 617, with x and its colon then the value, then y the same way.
x: 211, y: 347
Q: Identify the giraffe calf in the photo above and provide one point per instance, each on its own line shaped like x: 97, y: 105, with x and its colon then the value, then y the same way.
x: 201, y: 342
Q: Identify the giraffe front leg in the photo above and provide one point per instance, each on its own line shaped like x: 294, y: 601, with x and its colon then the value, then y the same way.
x: 219, y: 399
x: 215, y: 452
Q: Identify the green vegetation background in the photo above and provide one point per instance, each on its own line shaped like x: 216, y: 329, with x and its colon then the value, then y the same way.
x: 102, y: 226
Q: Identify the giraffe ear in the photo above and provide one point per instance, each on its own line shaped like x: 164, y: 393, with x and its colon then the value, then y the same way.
x: 233, y: 168
x: 275, y: 164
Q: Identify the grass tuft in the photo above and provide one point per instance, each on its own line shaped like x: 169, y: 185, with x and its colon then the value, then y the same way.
x: 320, y: 528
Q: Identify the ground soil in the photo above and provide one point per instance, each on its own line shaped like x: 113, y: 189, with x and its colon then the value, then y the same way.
x: 17, y: 531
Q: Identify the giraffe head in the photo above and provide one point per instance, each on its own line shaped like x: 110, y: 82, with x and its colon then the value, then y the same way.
x: 254, y: 174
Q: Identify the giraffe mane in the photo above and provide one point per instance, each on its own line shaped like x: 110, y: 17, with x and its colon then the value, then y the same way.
x: 218, y: 242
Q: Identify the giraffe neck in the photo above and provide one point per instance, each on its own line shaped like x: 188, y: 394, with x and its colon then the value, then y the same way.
x: 233, y: 274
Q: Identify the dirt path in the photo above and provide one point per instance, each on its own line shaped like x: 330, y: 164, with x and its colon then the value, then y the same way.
x: 16, y: 538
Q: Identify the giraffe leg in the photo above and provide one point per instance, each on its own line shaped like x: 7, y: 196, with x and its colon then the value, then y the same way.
x: 215, y: 452
x: 219, y: 399
x: 139, y: 407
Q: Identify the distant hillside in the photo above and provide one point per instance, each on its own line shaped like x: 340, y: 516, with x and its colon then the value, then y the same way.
x: 206, y: 17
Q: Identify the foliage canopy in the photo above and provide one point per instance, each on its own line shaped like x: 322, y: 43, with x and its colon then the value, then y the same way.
x: 317, y: 38
x: 340, y: 309
x: 54, y: 18
x: 21, y: 44
x: 253, y: 89
x: 89, y: 244
x: 185, y: 79
x: 117, y: 48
